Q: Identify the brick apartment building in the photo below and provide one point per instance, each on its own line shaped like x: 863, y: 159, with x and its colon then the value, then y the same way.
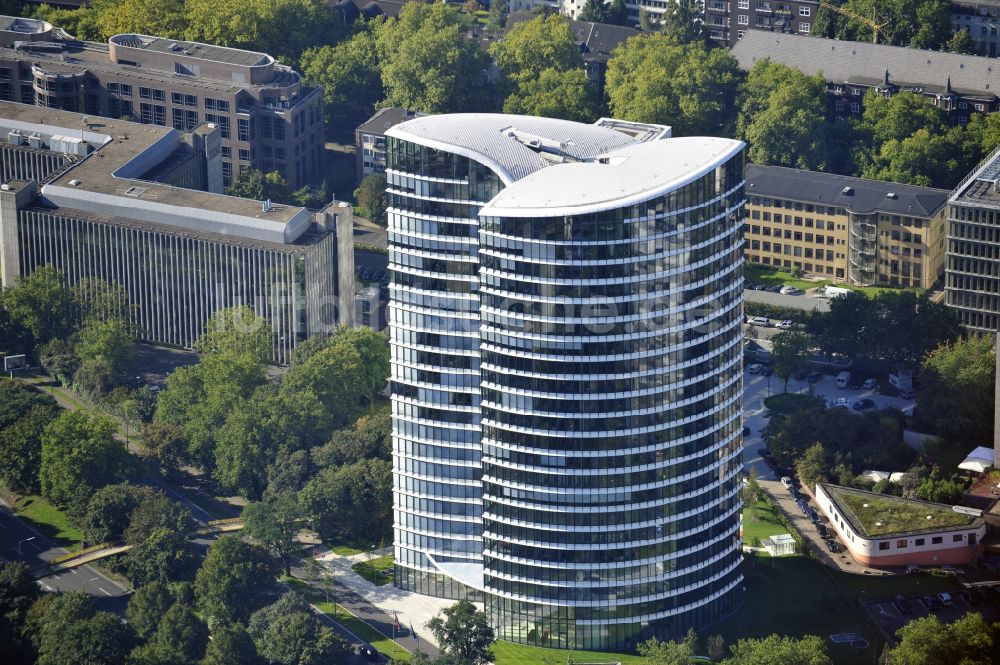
x: 727, y: 21
x: 863, y: 232
x: 268, y: 118
x: 958, y: 84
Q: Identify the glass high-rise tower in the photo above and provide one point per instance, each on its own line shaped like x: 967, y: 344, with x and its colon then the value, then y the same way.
x: 565, y: 311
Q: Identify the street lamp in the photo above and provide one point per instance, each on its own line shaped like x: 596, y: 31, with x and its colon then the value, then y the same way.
x: 23, y: 541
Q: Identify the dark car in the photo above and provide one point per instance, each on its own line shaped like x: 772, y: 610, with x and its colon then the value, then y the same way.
x: 855, y: 383
x: 832, y: 546
x: 763, y: 452
x: 774, y: 288
x: 814, y: 377
x: 932, y: 603
x: 821, y: 528
x: 814, y: 516
x: 902, y: 605
x: 369, y: 652
x: 365, y: 272
x: 863, y: 404
x: 760, y: 287
x: 969, y: 597
x: 746, y: 431
x: 800, y: 374
x: 766, y: 371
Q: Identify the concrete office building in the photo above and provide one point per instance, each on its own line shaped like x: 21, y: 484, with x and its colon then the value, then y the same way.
x: 566, y: 375
x: 123, y: 202
x: 864, y: 232
x: 972, y: 272
x: 958, y: 84
x: 267, y: 118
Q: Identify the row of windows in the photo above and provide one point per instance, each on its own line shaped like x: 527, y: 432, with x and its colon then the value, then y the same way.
x: 794, y: 235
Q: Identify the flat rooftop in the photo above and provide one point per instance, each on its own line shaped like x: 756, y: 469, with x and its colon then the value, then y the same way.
x: 883, y: 515
x: 620, y: 177
x: 981, y: 187
x: 866, y: 197
x: 112, y: 175
x: 230, y: 56
x: 25, y: 25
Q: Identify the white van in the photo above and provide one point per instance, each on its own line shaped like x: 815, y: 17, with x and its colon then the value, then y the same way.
x: 843, y: 379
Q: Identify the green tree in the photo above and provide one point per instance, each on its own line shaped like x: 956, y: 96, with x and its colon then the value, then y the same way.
x: 163, y: 18
x: 813, y: 466
x: 531, y: 47
x: 961, y: 42
x: 651, y: 78
x: 146, y: 606
x: 18, y: 591
x: 934, y: 27
x: 235, y: 580
x: 355, y: 500
x: 370, y: 437
x: 790, y: 351
x: 72, y: 631
x: 566, y: 94
x: 180, y: 636
x: 682, y: 21
x: 110, y: 340
x: 956, y: 389
x: 236, y: 331
x: 274, y: 524
x: 58, y: 358
x: 42, y: 306
x: 372, y: 200
x: 287, y: 633
x: 163, y: 555
x: 593, y: 11
x: 940, y: 490
x: 349, y: 73
x: 464, y: 632
x: 715, y: 646
x: 427, y: 62
x: 791, y: 129
x: 927, y: 641
x: 230, y: 645
x: 163, y: 445
x: 154, y: 512
x: 657, y: 652
x: 496, y: 20
x: 109, y: 511
x: 334, y: 375
x: 18, y: 399
x: 21, y: 449
x: 79, y: 456
x: 808, y: 650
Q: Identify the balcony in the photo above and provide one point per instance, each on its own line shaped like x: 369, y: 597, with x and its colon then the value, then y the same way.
x: 764, y: 8
x: 716, y: 7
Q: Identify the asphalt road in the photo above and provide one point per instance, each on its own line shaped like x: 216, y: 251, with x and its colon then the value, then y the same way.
x: 20, y: 542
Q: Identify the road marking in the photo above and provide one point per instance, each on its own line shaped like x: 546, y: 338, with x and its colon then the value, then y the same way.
x: 105, y: 592
x: 73, y: 570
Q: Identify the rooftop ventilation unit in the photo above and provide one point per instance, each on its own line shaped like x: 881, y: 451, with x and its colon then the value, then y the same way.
x: 847, y: 191
x: 892, y: 195
x: 15, y: 137
x: 35, y: 141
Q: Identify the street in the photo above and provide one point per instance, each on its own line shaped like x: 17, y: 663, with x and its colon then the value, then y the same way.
x: 20, y: 542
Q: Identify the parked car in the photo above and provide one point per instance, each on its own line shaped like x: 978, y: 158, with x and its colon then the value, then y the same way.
x: 870, y: 383
x: 902, y: 604
x: 775, y: 288
x: 946, y: 599
x: 970, y: 598
x: 763, y: 452
x: 907, y: 394
x: 863, y: 404
x: 931, y: 603
x: 759, y: 321
x: 788, y: 290
x: 814, y: 516
x: 746, y: 430
x: 787, y: 483
x: 821, y: 528
x: 766, y: 370
x: 755, y: 368
x: 832, y: 546
x: 839, y: 403
x: 785, y: 325
x: 369, y: 652
x: 855, y: 383
x: 814, y: 377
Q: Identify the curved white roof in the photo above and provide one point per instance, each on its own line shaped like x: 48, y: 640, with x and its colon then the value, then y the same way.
x: 620, y: 177
x: 486, y: 138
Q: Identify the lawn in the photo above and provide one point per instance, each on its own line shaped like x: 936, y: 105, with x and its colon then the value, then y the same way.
x: 378, y: 571
x: 799, y: 596
x: 755, y: 274
x: 508, y: 653
x: 882, y: 515
x: 760, y: 521
x: 49, y: 520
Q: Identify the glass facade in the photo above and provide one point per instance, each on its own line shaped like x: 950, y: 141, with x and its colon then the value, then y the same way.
x: 567, y: 402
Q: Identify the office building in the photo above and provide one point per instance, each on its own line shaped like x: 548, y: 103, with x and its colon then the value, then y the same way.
x: 960, y: 85
x: 267, y: 118
x: 864, y: 232
x: 972, y: 273
x: 565, y: 310
x: 127, y: 203
x: 882, y: 530
x: 727, y: 21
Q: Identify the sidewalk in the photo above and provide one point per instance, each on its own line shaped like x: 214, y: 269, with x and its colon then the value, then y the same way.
x: 841, y: 561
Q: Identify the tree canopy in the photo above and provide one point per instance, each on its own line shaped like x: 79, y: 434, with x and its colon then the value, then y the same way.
x: 464, y: 632
x: 928, y: 641
x: 956, y: 390
x: 234, y: 580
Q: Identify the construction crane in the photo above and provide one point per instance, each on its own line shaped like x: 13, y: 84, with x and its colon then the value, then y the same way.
x: 876, y: 27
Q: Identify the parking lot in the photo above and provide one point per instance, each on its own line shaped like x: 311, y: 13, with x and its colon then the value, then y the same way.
x: 756, y: 388
x: 891, y: 614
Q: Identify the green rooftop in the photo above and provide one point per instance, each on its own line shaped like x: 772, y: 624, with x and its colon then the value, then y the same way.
x: 882, y: 515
